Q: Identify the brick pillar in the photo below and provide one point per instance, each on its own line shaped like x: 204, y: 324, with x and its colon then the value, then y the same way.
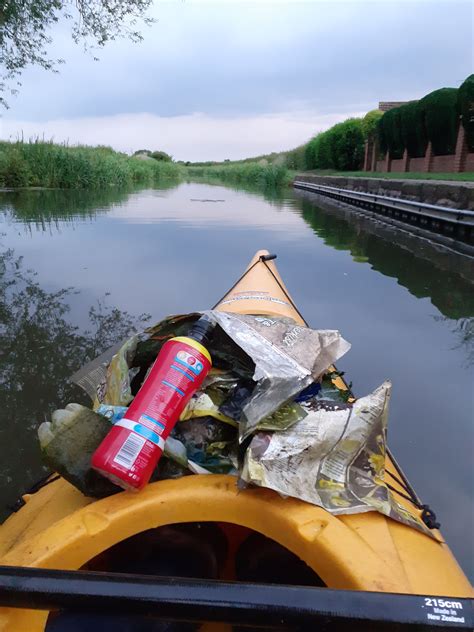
x: 375, y: 154
x: 428, y: 158
x: 406, y: 161
x: 367, y: 154
x: 461, y: 150
x: 388, y: 163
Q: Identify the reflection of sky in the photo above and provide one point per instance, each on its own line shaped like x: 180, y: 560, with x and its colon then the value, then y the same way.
x: 161, y: 253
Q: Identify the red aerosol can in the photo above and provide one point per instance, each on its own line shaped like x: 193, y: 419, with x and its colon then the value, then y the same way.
x: 129, y: 453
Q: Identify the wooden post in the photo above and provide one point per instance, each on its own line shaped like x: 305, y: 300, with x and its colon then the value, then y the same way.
x: 428, y: 158
x: 388, y: 163
x: 461, y: 150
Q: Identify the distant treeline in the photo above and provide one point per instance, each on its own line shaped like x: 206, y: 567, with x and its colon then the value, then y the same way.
x: 45, y: 164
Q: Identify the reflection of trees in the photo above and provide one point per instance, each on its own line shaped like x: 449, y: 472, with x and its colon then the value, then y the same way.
x: 39, y: 350
x: 450, y: 292
x: 463, y: 329
x: 48, y: 206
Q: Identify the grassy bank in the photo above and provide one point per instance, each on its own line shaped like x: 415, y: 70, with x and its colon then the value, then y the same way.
x: 252, y: 173
x: 45, y: 164
x: 456, y: 177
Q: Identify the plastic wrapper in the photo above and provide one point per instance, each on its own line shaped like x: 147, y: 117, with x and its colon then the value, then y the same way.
x: 287, y: 357
x: 334, y: 458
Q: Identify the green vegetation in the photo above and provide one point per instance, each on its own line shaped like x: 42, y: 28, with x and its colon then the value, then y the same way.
x: 466, y: 108
x: 370, y: 122
x: 45, y: 164
x: 441, y: 115
x: 252, y: 173
x: 157, y: 155
x: 433, y: 118
x: 26, y: 26
x: 412, y: 129
x: 340, y: 147
x: 390, y: 137
x: 411, y: 175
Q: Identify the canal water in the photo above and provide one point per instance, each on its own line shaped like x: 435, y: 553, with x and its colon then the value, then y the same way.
x: 80, y: 270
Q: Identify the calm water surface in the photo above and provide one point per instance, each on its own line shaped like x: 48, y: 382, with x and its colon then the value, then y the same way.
x: 78, y: 269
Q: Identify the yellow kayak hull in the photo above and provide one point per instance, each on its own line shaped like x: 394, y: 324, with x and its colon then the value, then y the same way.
x: 58, y: 527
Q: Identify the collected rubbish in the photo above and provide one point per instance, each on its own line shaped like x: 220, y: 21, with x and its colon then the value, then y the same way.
x: 268, y: 412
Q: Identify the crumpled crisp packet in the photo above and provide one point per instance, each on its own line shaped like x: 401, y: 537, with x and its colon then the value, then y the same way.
x: 334, y: 458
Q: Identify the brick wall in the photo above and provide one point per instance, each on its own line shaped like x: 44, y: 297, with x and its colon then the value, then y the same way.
x: 443, y: 164
x: 417, y: 164
x: 397, y: 165
x: 469, y: 162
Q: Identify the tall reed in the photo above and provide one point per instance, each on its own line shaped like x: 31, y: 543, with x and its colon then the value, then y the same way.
x: 260, y: 175
x: 40, y: 163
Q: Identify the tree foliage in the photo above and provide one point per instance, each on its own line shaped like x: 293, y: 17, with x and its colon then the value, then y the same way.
x: 433, y: 118
x: 369, y: 123
x: 25, y: 27
x: 412, y: 129
x: 466, y: 108
x: 161, y: 156
x: 390, y: 123
x: 340, y: 147
x: 441, y: 115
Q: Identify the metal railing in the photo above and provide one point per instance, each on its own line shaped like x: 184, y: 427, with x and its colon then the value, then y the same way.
x: 459, y: 223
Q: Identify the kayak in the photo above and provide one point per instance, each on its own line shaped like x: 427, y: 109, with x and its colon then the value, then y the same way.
x: 57, y: 527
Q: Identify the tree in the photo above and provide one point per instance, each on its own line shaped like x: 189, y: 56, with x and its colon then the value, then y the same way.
x: 25, y: 26
x: 161, y: 156
x: 369, y: 123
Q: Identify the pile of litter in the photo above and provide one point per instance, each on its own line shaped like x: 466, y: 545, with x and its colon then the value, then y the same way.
x: 269, y: 413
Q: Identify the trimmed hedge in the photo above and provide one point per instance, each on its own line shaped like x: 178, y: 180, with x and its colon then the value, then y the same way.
x: 433, y: 118
x: 412, y: 129
x: 441, y: 116
x: 466, y: 108
x: 390, y: 123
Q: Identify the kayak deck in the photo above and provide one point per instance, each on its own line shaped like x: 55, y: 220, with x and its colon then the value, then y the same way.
x: 58, y: 527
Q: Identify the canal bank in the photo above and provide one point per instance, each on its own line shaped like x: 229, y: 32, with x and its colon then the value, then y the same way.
x: 448, y: 221
x: 452, y: 194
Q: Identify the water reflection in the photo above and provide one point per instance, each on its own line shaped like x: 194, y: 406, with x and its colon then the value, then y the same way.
x: 43, y: 208
x: 424, y: 268
x: 40, y: 350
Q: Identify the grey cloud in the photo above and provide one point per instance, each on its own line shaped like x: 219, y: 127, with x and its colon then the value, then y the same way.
x: 249, y: 59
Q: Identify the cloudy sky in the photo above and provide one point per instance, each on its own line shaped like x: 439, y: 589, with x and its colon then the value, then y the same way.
x: 215, y: 80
